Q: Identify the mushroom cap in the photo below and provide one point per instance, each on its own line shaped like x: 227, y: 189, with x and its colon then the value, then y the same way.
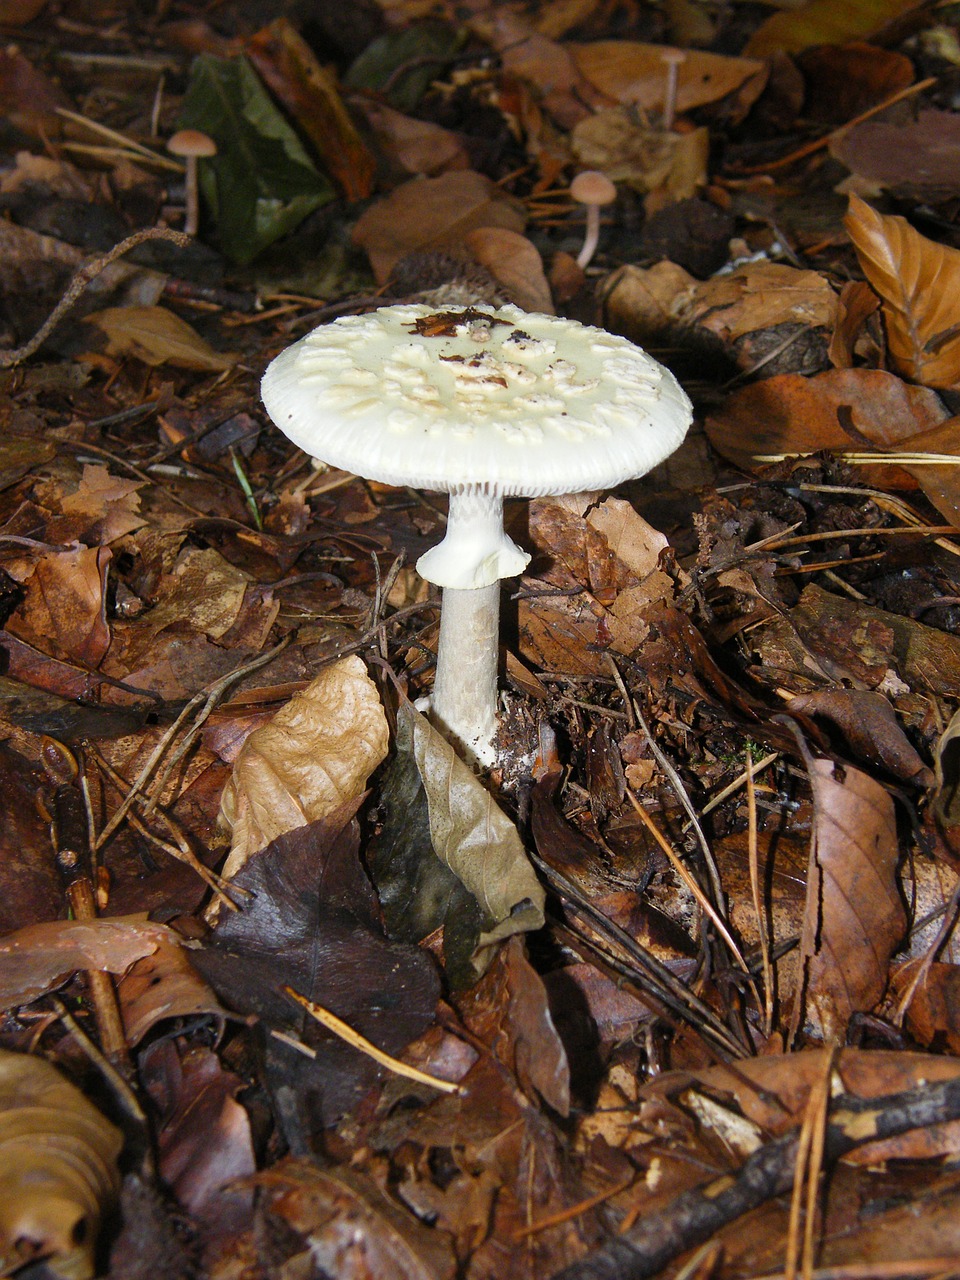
x: 593, y: 187
x: 512, y: 401
x: 191, y: 142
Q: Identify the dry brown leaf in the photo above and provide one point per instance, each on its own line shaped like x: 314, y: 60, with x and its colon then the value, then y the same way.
x: 418, y: 146
x: 157, y: 336
x: 317, y: 752
x: 918, y: 281
x: 790, y: 414
x: 853, y: 918
x: 429, y: 213
x: 516, y: 263
x: 108, y: 506
x: 761, y: 295
x: 648, y: 159
x: 65, y: 611
x: 162, y: 985
x: 632, y: 72
x: 58, y: 1169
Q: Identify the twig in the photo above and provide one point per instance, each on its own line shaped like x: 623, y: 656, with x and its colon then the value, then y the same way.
x: 696, y: 1215
x: 82, y: 277
x: 354, y: 1038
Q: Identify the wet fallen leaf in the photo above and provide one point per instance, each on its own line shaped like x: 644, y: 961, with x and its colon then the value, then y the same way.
x: 508, y: 1008
x: 105, y: 506
x: 157, y: 336
x: 843, y: 81
x: 311, y: 921
x: 917, y: 280
x: 163, y: 985
x: 203, y: 1133
x: 853, y: 919
x: 58, y: 1169
x: 38, y: 957
x: 316, y: 752
x: 917, y: 160
x: 473, y: 837
x: 933, y: 1014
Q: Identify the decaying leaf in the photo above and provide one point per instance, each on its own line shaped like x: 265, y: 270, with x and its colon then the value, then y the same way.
x: 918, y: 281
x: 473, y: 837
x: 870, y: 725
x: 157, y: 336
x: 351, y: 1227
x: 886, y: 153
x: 65, y: 606
x: 516, y: 263
x: 853, y: 919
x: 317, y: 752
x: 58, y: 1169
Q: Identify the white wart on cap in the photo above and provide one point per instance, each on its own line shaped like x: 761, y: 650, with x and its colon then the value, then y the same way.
x: 480, y: 403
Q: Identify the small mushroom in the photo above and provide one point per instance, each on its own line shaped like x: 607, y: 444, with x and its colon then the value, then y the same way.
x: 191, y: 145
x: 482, y: 403
x: 594, y: 189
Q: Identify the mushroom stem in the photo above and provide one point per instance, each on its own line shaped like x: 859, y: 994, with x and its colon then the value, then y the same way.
x: 592, y: 237
x: 192, y: 220
x: 464, y: 701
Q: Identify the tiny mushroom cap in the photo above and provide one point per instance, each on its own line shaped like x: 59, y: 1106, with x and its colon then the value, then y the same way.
x: 192, y: 145
x: 594, y: 189
x: 481, y: 403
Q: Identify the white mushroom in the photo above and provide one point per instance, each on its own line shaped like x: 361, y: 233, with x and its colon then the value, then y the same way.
x: 482, y: 403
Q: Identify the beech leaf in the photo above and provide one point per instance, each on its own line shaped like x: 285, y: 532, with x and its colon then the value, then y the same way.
x: 58, y: 1169
x: 157, y: 336
x: 918, y: 282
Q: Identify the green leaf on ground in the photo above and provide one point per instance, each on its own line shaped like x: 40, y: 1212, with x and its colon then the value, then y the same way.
x: 261, y: 183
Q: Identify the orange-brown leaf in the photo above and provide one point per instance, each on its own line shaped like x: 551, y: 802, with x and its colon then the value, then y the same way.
x: 918, y: 281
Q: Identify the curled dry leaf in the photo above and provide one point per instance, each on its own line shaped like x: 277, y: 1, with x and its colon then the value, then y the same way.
x: 918, y: 281
x: 157, y: 336
x: 473, y: 837
x: 58, y: 1169
x: 823, y: 22
x: 317, y: 752
x: 853, y: 918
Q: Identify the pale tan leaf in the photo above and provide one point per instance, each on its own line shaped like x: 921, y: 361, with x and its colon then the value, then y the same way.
x: 853, y: 918
x: 58, y: 1169
x: 918, y: 281
x: 632, y: 72
x: 316, y: 752
x: 474, y: 838
x: 157, y: 336
x: 111, y: 505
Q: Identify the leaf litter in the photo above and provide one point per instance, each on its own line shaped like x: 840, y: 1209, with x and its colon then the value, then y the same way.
x: 705, y: 907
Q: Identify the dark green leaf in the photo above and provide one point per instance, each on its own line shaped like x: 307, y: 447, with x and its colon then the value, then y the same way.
x: 261, y: 183
x: 402, y: 64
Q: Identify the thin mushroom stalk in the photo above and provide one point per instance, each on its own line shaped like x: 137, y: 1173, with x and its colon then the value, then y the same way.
x: 469, y: 564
